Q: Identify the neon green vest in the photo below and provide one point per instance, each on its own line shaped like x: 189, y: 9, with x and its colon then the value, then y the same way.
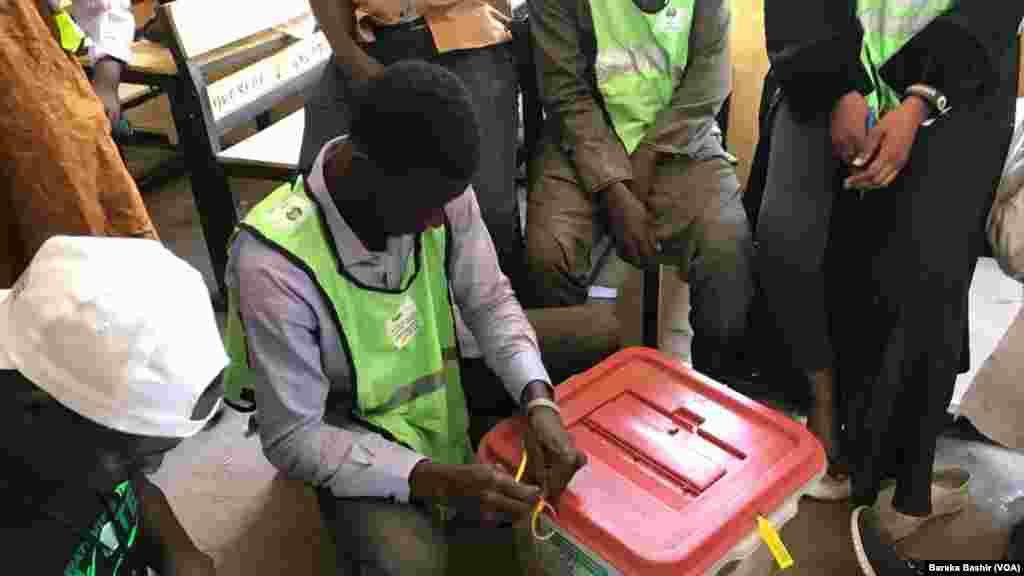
x: 401, y: 344
x: 640, y: 61
x: 103, y: 553
x: 888, y: 26
x: 69, y: 35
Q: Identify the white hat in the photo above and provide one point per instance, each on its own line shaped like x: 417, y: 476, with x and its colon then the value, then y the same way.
x: 119, y: 330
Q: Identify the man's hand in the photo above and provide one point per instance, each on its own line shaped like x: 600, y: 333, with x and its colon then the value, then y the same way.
x: 642, y: 160
x: 849, y: 126
x: 552, y: 457
x: 493, y: 491
x: 337, y: 19
x: 888, y: 145
x: 106, y: 80
x: 630, y: 225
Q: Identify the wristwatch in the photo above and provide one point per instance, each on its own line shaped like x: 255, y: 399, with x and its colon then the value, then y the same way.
x: 937, y: 100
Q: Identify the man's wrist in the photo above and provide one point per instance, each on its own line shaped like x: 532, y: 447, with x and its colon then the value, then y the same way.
x: 423, y: 481
x: 534, y: 390
x: 921, y: 108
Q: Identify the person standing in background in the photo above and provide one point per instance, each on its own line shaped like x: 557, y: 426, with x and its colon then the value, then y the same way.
x: 468, y: 37
x: 888, y: 133
x: 60, y: 172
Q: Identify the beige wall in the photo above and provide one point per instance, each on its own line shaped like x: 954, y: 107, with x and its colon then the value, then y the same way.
x: 750, y: 64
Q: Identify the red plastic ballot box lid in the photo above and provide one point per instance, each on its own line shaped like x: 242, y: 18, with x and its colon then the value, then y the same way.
x: 680, y: 466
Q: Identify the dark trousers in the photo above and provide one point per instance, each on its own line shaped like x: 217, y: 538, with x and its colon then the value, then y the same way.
x: 489, y: 74
x: 877, y: 288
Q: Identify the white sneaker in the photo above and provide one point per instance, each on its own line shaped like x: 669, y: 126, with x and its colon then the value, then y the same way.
x: 830, y: 489
x: 949, y: 496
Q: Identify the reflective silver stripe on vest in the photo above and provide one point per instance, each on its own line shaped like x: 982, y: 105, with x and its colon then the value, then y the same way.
x: 426, y: 385
x: 612, y: 62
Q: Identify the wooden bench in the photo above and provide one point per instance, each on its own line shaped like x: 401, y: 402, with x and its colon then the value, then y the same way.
x: 256, y: 56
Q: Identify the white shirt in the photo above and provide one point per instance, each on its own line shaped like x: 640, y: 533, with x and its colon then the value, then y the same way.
x: 109, y: 24
x: 294, y: 345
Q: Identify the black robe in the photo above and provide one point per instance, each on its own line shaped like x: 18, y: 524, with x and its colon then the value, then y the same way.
x: 894, y: 404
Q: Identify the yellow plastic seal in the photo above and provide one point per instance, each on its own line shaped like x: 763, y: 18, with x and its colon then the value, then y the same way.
x: 771, y: 537
x: 539, y: 509
x: 71, y: 36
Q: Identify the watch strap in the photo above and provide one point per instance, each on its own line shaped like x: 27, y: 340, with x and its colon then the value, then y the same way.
x: 937, y: 100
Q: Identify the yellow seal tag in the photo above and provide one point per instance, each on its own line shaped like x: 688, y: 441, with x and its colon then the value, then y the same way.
x: 774, y: 542
x: 71, y: 36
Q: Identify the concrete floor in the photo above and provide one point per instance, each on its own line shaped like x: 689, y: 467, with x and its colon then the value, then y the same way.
x: 256, y: 523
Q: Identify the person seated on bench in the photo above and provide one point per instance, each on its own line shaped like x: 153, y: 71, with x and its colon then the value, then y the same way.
x: 341, y: 295
x: 468, y: 37
x: 109, y: 356
x: 105, y: 31
x: 637, y: 151
x: 62, y: 173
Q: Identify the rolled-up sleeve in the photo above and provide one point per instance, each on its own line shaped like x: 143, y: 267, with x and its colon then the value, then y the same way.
x: 488, y: 304
x: 959, y: 52
x: 281, y: 329
x: 595, y: 150
x: 682, y: 126
x: 815, y: 53
x: 110, y: 26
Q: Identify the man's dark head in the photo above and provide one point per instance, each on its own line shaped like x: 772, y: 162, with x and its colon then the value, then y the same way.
x: 55, y: 444
x: 418, y: 125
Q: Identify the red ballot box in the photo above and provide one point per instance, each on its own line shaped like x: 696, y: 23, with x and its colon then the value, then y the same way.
x: 680, y: 469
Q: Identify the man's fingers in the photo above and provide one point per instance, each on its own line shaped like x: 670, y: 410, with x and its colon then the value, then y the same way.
x: 507, y: 487
x: 847, y: 150
x: 890, y: 176
x: 502, y: 504
x: 870, y: 148
x: 872, y: 175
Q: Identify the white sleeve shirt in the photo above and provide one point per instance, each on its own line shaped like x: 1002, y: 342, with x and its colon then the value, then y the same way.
x: 109, y: 24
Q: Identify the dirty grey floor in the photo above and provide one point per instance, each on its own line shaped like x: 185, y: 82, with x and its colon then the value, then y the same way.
x: 256, y: 523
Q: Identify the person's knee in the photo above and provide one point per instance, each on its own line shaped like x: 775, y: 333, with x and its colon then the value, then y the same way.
x: 721, y: 276
x: 725, y: 245
x: 386, y: 539
x: 553, y: 269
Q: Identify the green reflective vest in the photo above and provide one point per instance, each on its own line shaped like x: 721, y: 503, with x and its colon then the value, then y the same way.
x: 640, y: 61
x: 110, y: 539
x: 69, y: 35
x: 888, y: 26
x: 401, y: 344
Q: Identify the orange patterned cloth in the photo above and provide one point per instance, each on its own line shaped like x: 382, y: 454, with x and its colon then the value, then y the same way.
x: 60, y: 172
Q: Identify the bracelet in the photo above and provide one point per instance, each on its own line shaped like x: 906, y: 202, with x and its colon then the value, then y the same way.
x: 543, y: 402
x: 936, y: 100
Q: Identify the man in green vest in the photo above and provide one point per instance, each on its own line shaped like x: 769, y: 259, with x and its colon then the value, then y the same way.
x: 632, y: 147
x: 343, y: 327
